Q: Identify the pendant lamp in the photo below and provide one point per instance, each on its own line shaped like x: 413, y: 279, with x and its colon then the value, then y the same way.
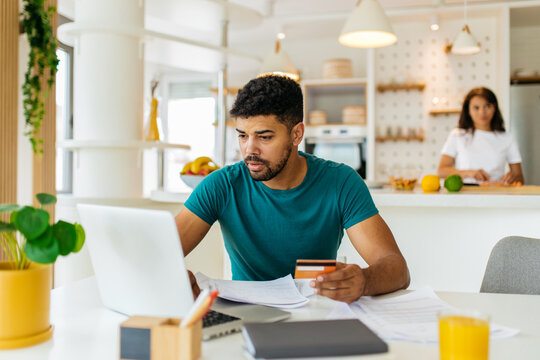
x: 278, y: 63
x: 465, y: 43
x: 367, y: 27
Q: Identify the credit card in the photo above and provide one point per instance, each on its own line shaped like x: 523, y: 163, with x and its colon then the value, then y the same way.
x: 309, y: 269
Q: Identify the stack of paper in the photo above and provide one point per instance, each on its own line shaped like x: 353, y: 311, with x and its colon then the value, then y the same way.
x: 280, y: 293
x: 411, y: 317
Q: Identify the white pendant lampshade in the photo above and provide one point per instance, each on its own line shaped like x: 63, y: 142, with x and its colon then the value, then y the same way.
x: 367, y: 27
x: 465, y: 43
x: 278, y: 63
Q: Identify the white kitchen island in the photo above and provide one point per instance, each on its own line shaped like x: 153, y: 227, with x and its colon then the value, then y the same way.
x: 445, y: 238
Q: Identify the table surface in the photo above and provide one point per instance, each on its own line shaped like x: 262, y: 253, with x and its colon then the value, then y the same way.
x: 84, y: 329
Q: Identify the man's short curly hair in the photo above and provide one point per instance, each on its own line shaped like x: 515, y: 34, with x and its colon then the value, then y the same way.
x: 271, y: 95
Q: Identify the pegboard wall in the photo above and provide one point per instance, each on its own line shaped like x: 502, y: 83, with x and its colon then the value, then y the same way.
x: 419, y: 56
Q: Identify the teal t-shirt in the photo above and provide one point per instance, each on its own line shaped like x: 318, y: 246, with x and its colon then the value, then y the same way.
x: 266, y: 230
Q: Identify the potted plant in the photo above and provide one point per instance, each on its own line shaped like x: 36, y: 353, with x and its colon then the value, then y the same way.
x: 31, y: 244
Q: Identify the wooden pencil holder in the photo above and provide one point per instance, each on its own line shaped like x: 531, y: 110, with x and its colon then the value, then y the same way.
x: 158, y: 338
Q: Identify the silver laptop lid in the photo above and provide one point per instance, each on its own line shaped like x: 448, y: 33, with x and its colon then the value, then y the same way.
x: 137, y: 259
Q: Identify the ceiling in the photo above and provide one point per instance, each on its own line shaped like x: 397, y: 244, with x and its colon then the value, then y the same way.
x: 300, y: 19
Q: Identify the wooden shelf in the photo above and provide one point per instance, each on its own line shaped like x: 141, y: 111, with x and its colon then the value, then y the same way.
x: 229, y: 123
x: 398, y: 138
x: 395, y: 87
x: 335, y: 124
x: 228, y: 91
x: 335, y: 140
x: 335, y: 82
x: 444, y: 112
x: 525, y: 80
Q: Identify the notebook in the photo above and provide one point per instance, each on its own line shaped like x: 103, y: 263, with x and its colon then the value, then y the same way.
x: 140, y: 270
x: 311, y: 339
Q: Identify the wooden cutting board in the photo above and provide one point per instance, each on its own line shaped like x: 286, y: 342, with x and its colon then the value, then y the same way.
x: 519, y: 190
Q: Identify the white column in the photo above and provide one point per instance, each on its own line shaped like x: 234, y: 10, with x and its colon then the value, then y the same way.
x: 108, y: 97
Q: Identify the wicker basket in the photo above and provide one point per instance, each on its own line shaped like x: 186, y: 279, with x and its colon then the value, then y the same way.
x: 354, y: 115
x: 337, y: 69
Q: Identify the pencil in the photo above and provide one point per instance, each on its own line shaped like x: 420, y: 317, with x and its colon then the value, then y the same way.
x: 201, y: 311
x: 196, y: 306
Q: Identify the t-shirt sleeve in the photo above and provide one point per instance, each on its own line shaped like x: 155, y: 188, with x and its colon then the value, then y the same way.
x: 450, y: 146
x: 209, y: 198
x: 513, y: 155
x: 355, y: 200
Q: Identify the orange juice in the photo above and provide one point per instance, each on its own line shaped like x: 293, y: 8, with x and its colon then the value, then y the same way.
x: 463, y: 338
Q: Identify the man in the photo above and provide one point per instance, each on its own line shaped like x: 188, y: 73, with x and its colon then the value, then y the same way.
x: 280, y: 204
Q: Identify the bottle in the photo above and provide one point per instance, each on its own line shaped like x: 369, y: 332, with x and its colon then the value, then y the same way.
x: 153, y: 131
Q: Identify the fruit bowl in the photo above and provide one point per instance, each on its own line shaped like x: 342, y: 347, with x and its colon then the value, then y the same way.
x: 192, y: 180
x: 400, y: 183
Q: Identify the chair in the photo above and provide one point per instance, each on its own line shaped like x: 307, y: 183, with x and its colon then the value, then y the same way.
x: 513, y: 267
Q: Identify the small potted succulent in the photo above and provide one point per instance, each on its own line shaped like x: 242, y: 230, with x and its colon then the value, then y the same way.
x: 31, y: 244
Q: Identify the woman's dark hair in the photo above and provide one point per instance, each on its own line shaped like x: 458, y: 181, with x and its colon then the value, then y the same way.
x: 465, y: 120
x: 271, y: 95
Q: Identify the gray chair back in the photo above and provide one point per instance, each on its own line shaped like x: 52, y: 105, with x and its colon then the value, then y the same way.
x: 513, y: 267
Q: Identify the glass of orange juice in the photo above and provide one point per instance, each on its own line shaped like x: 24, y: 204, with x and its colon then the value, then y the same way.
x: 463, y: 335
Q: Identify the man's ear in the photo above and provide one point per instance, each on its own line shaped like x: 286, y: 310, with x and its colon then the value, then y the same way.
x: 297, y: 133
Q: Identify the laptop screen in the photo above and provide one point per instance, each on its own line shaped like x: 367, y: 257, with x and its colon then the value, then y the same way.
x: 137, y: 259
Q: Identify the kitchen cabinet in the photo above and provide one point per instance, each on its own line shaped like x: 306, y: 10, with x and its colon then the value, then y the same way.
x: 333, y: 139
x: 332, y: 96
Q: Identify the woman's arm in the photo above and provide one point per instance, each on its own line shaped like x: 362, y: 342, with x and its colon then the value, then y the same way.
x: 514, y: 175
x: 446, y: 168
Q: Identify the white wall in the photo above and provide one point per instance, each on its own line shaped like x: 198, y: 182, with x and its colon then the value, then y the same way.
x: 525, y: 48
x: 419, y: 56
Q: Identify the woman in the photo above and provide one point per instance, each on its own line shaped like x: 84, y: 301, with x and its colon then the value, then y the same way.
x: 479, y: 148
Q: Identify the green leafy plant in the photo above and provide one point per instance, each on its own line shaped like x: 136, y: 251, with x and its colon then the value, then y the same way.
x: 39, y: 241
x: 42, y: 60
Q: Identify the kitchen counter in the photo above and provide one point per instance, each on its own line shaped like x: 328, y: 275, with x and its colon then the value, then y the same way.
x: 470, y: 196
x: 445, y: 238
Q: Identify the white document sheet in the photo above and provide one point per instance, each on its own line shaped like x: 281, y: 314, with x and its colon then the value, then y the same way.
x: 281, y: 293
x: 411, y: 317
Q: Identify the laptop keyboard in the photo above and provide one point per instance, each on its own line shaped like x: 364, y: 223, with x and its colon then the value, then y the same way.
x: 216, y: 324
x: 216, y: 318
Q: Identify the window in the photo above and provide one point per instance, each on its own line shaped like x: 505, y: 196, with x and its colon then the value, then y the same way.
x: 189, y: 119
x: 188, y: 113
x: 64, y: 116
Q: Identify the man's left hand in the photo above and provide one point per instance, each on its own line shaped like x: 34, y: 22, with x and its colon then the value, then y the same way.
x: 346, y: 284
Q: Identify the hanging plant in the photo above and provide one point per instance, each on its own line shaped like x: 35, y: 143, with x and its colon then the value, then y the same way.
x: 42, y: 63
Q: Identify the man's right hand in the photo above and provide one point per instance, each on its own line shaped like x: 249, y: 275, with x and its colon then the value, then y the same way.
x: 194, y: 286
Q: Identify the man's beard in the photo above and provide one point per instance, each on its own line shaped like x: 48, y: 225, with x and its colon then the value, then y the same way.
x: 271, y: 171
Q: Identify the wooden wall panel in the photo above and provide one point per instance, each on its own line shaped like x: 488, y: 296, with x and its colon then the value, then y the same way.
x: 9, y: 92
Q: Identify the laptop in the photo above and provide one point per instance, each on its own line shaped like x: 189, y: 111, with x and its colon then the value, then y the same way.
x: 140, y: 269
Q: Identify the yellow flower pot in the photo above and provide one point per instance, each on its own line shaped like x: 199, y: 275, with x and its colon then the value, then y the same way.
x: 24, y: 305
